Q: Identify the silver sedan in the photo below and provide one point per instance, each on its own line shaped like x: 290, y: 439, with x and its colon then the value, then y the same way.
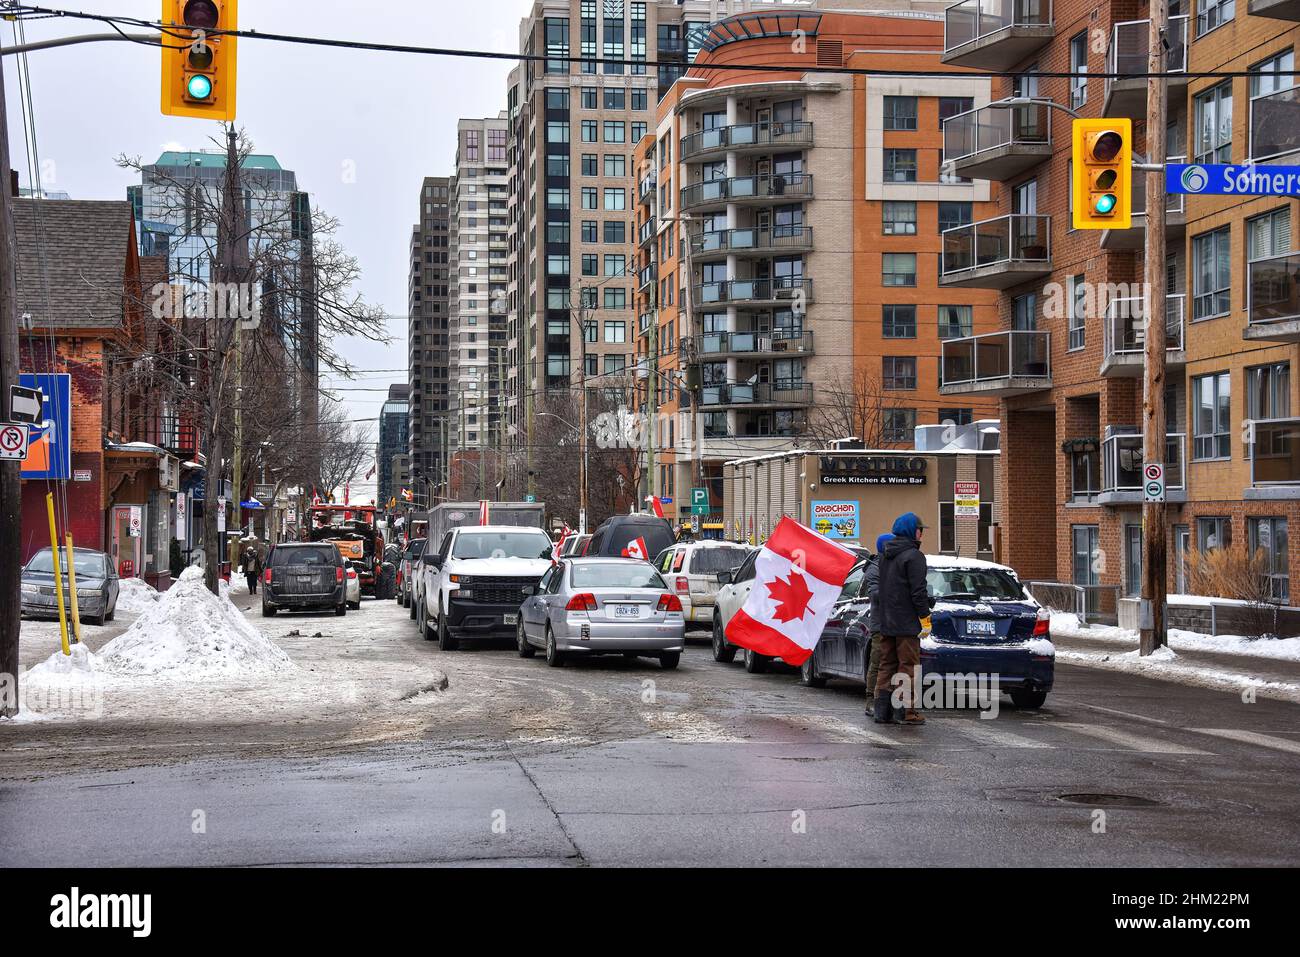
x: 602, y: 606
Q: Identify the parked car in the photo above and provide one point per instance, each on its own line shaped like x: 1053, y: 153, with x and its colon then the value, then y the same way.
x: 304, y: 576
x: 97, y: 586
x: 691, y: 571
x: 587, y: 607
x: 352, y: 580
x: 984, y: 622
x: 574, y: 545
x: 474, y: 582
x: 405, y: 566
x: 620, y: 534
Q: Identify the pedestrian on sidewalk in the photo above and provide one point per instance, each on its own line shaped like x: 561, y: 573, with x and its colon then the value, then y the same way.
x: 904, y: 605
x: 871, y: 588
x: 252, y: 567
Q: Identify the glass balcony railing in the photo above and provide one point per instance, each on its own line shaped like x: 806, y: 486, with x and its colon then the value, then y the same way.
x: 797, y: 134
x: 969, y: 134
x: 1175, y: 203
x: 719, y: 192
x: 778, y: 238
x: 1004, y: 240
x: 1122, y: 461
x: 1273, y: 289
x: 997, y: 357
x: 1125, y: 329
x: 1127, y: 54
x: 1274, y: 449
x: 1275, y: 126
x: 792, y: 393
x: 973, y: 20
x: 782, y: 289
x: 647, y: 232
x: 774, y: 342
x: 646, y: 187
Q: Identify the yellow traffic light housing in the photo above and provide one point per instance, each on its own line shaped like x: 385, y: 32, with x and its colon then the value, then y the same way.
x: 1103, y: 173
x: 198, y: 68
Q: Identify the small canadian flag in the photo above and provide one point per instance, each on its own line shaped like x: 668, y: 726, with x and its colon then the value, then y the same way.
x: 483, y: 511
x: 637, y: 548
x: 798, y: 576
x: 656, y: 504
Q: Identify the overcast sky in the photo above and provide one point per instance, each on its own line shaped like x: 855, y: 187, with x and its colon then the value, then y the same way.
x: 321, y: 112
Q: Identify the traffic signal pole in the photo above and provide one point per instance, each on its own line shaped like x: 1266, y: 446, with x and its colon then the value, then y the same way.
x: 1154, y: 439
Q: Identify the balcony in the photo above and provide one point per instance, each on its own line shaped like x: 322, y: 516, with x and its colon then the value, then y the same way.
x: 1275, y: 9
x: 777, y: 344
x: 647, y: 277
x: 1274, y: 459
x: 997, y: 143
x: 751, y: 242
x: 718, y: 193
x: 1135, y: 236
x: 1273, y: 299
x: 1121, y: 470
x: 1127, y: 56
x: 745, y: 138
x: 644, y: 322
x: 995, y: 34
x: 1275, y: 127
x: 646, y: 188
x: 646, y: 233
x: 997, y: 253
x: 760, y: 395
x: 997, y: 364
x: 754, y: 292
x: 1125, y: 336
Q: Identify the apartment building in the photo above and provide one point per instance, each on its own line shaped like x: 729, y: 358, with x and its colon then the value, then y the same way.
x: 427, y: 356
x: 788, y: 244
x: 1067, y: 361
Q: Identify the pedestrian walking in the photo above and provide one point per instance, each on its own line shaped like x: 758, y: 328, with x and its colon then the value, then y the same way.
x: 871, y: 588
x: 904, y: 606
x: 252, y: 568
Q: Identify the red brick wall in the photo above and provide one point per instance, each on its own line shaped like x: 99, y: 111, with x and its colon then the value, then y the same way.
x: 1028, y: 520
x: 85, y: 508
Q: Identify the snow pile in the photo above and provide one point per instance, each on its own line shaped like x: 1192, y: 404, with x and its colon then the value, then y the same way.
x: 135, y: 596
x: 1277, y: 649
x: 59, y: 668
x: 190, y: 634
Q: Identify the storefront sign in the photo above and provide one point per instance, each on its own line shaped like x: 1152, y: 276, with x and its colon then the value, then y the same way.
x: 82, y: 475
x: 874, y: 470
x: 836, y: 520
x: 966, y: 499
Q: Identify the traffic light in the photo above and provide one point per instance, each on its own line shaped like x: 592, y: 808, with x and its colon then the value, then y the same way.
x: 198, y: 69
x: 1103, y: 173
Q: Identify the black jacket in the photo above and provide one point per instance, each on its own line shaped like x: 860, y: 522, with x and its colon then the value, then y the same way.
x: 871, y: 589
x: 904, y: 598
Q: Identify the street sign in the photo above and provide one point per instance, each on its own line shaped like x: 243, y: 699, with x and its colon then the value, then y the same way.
x: 700, y: 496
x: 136, y: 525
x: 1227, y: 179
x: 530, y: 499
x: 25, y: 405
x: 1153, y: 482
x: 182, y: 523
x: 966, y: 499
x: 13, y: 442
x: 82, y: 475
x: 221, y: 516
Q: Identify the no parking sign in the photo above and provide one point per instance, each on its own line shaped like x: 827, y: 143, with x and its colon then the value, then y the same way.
x: 13, y: 442
x: 1153, y: 483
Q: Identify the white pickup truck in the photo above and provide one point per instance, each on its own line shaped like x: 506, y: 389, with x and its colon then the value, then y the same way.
x: 474, y: 581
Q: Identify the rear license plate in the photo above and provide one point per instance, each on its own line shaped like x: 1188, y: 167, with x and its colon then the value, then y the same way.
x: 304, y: 579
x: 981, y: 628
x: 626, y: 611
x: 511, y: 619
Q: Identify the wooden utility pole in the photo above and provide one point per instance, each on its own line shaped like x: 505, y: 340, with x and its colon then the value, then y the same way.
x: 1154, y: 440
x: 10, y: 472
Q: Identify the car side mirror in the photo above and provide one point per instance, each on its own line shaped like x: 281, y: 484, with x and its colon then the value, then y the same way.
x: 529, y: 591
x: 726, y: 578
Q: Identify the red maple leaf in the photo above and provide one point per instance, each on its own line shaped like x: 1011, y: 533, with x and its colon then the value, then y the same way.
x: 791, y: 597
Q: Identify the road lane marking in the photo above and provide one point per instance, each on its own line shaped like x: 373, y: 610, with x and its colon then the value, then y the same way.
x: 988, y: 734
x: 847, y: 730
x: 1127, y: 741
x: 1253, y: 737
x: 1124, y: 714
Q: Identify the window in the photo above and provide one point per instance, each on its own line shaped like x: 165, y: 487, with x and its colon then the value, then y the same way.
x: 900, y: 166
x: 1085, y: 475
x: 590, y: 131
x: 1268, y: 391
x: 557, y: 98
x: 1212, y: 275
x: 1212, y: 138
x: 900, y: 112
x: 640, y: 100
x: 1079, y: 67
x: 1212, y: 416
x: 899, y: 269
x: 899, y: 219
x: 590, y: 197
x: 557, y: 265
x: 899, y: 373
x: 557, y: 164
x: 1271, y: 75
x: 615, y: 164
x: 615, y: 265
x: 1269, y: 235
x: 899, y: 425
x: 557, y: 199
x: 589, y: 97
x: 1213, y: 13
x: 956, y: 416
x: 615, y: 199
x: 590, y: 165
x: 557, y: 131
x: 639, y: 131
x: 899, y: 322
x: 615, y: 99
x: 1269, y: 536
x: 952, y: 215
x: 956, y: 322
x: 1024, y: 312
x: 1086, y: 541
x: 950, y: 106
x: 1213, y: 532
x: 616, y: 331
x: 615, y: 131
x: 615, y: 364
x: 1132, y: 560
x: 615, y: 231
x: 590, y: 230
x: 1078, y: 312
x: 590, y: 264
x: 615, y: 298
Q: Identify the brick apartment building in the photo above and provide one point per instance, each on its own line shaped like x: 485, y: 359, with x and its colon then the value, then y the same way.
x: 1067, y: 361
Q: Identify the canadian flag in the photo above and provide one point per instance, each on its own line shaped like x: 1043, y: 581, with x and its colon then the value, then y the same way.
x: 656, y: 504
x: 483, y: 512
x: 798, y: 576
x: 637, y: 548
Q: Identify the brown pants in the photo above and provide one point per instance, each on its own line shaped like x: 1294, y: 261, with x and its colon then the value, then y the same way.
x: 873, y: 669
x: 900, y: 654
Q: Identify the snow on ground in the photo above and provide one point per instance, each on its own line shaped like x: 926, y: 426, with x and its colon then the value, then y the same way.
x: 1165, y: 665
x: 1278, y: 649
x: 135, y: 596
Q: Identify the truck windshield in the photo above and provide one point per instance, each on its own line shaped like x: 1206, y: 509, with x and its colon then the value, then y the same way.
x: 501, y: 545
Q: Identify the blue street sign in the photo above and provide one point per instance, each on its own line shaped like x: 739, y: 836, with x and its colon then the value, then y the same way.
x: 1226, y: 179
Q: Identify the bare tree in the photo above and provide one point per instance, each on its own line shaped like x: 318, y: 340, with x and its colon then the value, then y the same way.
x: 853, y: 406
x: 345, y: 448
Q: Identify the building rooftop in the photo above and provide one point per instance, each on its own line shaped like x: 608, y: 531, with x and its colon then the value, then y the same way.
x: 217, y: 160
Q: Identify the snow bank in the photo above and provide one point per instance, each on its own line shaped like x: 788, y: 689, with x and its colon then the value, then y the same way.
x: 59, y: 668
x: 1275, y: 649
x: 135, y: 596
x: 190, y: 634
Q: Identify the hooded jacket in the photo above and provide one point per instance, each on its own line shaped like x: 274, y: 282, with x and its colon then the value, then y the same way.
x: 904, y: 597
x: 871, y: 585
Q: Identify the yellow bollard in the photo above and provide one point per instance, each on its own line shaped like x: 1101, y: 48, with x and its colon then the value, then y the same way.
x: 58, y: 573
x: 72, y: 587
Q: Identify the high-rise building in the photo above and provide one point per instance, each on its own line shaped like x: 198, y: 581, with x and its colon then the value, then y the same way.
x: 427, y: 358
x: 394, y: 424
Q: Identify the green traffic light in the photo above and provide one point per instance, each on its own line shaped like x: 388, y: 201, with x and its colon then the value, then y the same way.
x: 1105, y: 204
x: 199, y: 87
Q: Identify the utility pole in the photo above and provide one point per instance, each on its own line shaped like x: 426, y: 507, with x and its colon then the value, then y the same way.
x: 582, y: 380
x: 10, y: 472
x: 1154, y: 439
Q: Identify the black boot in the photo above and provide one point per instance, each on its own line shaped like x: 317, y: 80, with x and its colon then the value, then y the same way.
x: 882, y: 712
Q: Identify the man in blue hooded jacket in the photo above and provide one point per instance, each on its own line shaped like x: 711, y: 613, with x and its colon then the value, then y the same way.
x: 904, y: 602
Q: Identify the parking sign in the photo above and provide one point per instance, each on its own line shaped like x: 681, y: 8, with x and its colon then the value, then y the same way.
x: 13, y: 442
x: 1153, y: 484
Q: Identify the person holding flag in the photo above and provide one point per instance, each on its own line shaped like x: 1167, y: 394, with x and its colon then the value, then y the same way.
x: 904, y: 613
x: 798, y: 576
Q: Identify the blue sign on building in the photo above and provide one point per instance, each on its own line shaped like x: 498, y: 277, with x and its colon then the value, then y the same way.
x: 1229, y: 179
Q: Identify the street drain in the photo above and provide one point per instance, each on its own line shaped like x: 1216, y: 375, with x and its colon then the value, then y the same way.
x: 1108, y: 800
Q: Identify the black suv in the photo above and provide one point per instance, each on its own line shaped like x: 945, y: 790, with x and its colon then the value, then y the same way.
x: 304, y: 576
x: 622, y: 536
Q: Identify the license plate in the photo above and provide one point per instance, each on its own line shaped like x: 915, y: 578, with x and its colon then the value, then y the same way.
x: 981, y: 628
x: 511, y: 619
x: 304, y: 579
x: 626, y: 611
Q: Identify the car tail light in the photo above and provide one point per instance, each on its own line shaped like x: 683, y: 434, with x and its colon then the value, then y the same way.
x: 670, y: 603
x: 683, y: 586
x: 267, y: 577
x: 1043, y: 627
x: 583, y: 602
x: 338, y: 573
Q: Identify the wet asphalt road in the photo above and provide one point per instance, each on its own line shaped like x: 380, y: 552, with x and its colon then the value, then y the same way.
x: 619, y: 763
